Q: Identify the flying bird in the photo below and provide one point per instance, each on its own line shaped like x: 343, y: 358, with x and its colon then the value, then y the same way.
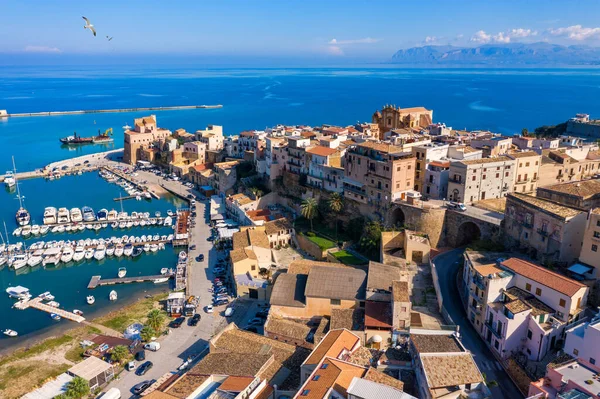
x: 109, y: 38
x: 89, y: 26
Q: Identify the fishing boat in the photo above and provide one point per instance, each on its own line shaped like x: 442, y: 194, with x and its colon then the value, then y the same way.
x: 10, y: 333
x: 67, y: 254
x: 55, y: 317
x: 64, y: 216
x: 164, y: 271
x: 100, y: 252
x: 113, y: 295
x: 35, y: 258
x: 90, y: 299
x: 19, y: 261
x: 18, y: 292
x: 122, y: 272
x: 76, y: 215
x: 50, y: 215
x: 119, y: 250
x: 161, y: 280
x: 88, y: 214
x: 137, y: 251
x: 102, y: 215
x: 128, y: 250
x: 78, y: 312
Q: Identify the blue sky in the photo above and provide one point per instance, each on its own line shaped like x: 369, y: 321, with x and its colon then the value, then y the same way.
x: 369, y: 30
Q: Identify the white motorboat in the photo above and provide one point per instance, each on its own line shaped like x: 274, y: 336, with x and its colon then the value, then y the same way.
x: 147, y: 195
x: 50, y: 215
x: 110, y: 250
x: 55, y: 317
x: 63, y: 216
x: 161, y: 280
x: 170, y: 212
x: 122, y: 225
x: 146, y: 247
x: 54, y: 304
x: 122, y: 272
x: 3, y: 260
x: 104, y: 225
x: 88, y: 214
x: 119, y: 250
x: 68, y: 228
x: 136, y: 223
x: 164, y: 271
x: 114, y: 225
x: 129, y: 224
x: 18, y: 292
x: 113, y: 295
x: 143, y: 223
x: 78, y: 312
x: 157, y: 214
x: 137, y: 252
x: 102, y: 215
x: 134, y: 215
x: 35, y: 229
x: 100, y: 252
x: 153, y: 247
x: 168, y: 221
x: 112, y: 215
x: 51, y: 259
x: 156, y: 237
x: 79, y: 254
x: 17, y: 231
x: 35, y: 258
x: 46, y: 296
x: 128, y: 250
x: 76, y: 215
x: 9, y: 179
x: 81, y: 227
x: 44, y: 229
x: 182, y: 255
x: 19, y: 261
x: 26, y: 231
x: 122, y: 215
x: 161, y: 245
x: 10, y: 333
x: 89, y: 254
x: 67, y: 254
x: 60, y: 229
x: 90, y: 299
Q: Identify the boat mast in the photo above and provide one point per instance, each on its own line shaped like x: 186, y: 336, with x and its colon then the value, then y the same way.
x: 17, y: 184
x: 6, y: 232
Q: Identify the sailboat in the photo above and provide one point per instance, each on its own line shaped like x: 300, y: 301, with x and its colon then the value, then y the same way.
x: 23, y: 217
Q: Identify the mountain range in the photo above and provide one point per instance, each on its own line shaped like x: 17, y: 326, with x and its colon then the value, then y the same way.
x: 500, y: 54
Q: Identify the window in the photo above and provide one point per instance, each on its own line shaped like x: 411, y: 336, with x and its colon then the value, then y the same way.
x: 483, y: 178
x: 575, y: 352
x: 529, y: 334
x: 409, y: 167
x: 497, y: 175
x: 528, y: 287
x: 496, y: 344
x: 506, y: 174
x: 538, y: 291
x: 592, y: 360
x: 335, y: 302
x: 324, y: 366
x: 253, y: 267
x: 594, y: 248
x: 305, y: 392
x: 596, y: 234
x: 562, y: 303
x: 316, y: 378
x: 474, y: 178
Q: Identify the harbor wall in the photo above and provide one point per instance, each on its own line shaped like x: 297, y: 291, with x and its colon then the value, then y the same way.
x: 5, y: 114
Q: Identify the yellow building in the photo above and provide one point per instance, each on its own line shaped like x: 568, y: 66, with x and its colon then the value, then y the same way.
x: 145, y: 134
x: 391, y: 117
x: 527, y: 170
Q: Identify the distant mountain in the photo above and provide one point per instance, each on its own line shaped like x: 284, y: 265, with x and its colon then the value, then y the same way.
x: 505, y: 54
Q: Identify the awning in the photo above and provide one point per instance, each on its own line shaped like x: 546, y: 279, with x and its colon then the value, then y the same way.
x: 578, y: 268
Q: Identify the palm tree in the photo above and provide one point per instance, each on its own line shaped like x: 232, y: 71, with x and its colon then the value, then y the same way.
x: 336, y: 204
x: 309, y: 210
x: 146, y: 333
x: 156, y: 319
x: 77, y: 388
x: 119, y: 353
x: 257, y: 192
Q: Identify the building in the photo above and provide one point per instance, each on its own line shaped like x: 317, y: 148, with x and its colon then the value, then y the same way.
x: 479, y: 179
x: 324, y: 168
x: 212, y: 136
x: 548, y: 230
x: 444, y: 369
x: 584, y: 195
x: 527, y: 169
x: 145, y: 134
x: 582, y: 126
x: 251, y: 261
x: 424, y: 154
x: 535, y: 144
x: 590, y: 255
x: 195, y: 150
x: 464, y: 153
x: 275, y: 156
x: 571, y: 379
x: 378, y: 173
x: 493, y: 146
x: 225, y: 176
x: 95, y: 371
x: 296, y: 153
x: 569, y: 165
x: 391, y: 117
x: 519, y: 307
x: 436, y: 180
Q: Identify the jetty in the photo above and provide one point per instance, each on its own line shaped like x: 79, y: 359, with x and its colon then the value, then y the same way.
x: 37, y: 303
x: 97, y: 281
x: 125, y: 177
x: 108, y: 111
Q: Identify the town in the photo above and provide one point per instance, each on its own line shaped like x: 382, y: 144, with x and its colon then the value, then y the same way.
x: 398, y: 258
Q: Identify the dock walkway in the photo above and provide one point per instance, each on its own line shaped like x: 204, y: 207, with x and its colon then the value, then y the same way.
x: 36, y: 303
x: 99, y: 281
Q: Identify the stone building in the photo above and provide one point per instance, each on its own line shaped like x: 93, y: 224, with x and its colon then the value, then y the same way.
x: 212, y: 136
x: 225, y: 176
x: 145, y: 134
x: 492, y: 147
x: 583, y: 195
x: 479, y: 179
x: 527, y: 169
x: 590, y: 254
x: 424, y: 154
x: 391, y: 117
x: 567, y: 165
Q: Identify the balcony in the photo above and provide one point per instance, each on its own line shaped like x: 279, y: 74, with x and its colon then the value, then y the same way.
x: 543, y: 232
x: 476, y: 309
x: 479, y: 283
x: 595, y: 237
x: 522, y: 181
x: 492, y: 328
x: 527, y: 224
x: 457, y: 181
x: 349, y: 188
x: 476, y: 297
x: 505, y: 188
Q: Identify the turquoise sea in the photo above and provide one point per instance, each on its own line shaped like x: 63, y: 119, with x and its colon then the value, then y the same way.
x: 501, y: 100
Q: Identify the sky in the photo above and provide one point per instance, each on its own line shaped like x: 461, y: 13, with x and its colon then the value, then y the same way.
x: 301, y: 29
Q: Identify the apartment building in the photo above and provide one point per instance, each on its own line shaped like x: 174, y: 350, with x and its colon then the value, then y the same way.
x: 145, y: 134
x: 324, y: 168
x: 377, y: 173
x: 195, y: 150
x: 570, y: 379
x: 590, y: 254
x: 479, y: 179
x: 296, y: 154
x: 535, y: 144
x: 212, y: 136
x: 584, y: 195
x: 424, y: 154
x: 568, y: 165
x: 492, y: 147
x: 225, y: 176
x: 548, y: 230
x: 436, y: 179
x: 275, y: 156
x: 527, y: 169
x: 524, y: 307
x: 582, y: 341
x: 464, y: 153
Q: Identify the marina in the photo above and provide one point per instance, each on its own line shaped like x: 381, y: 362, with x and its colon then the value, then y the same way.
x: 97, y: 281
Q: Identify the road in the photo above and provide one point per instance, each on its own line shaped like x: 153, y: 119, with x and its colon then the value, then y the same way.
x: 448, y: 265
x: 187, y: 340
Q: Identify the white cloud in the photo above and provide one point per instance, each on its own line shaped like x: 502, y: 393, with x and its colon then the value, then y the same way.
x: 335, y: 50
x: 366, y: 40
x: 42, y: 49
x: 576, y: 32
x: 481, y: 37
x: 430, y: 39
x: 502, y: 37
x: 520, y: 32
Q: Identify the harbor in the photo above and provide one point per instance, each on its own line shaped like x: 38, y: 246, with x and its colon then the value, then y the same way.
x: 5, y: 114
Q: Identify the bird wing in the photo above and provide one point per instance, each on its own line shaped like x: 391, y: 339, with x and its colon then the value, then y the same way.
x: 86, y: 20
x: 93, y: 30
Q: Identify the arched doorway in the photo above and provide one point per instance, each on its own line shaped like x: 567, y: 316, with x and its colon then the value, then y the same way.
x: 467, y: 233
x: 398, y: 217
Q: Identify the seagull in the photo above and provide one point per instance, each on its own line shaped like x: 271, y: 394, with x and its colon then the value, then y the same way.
x: 109, y: 38
x: 89, y: 26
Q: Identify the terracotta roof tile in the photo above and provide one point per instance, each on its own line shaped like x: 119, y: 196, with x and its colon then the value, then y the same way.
x: 450, y: 370
x: 332, y: 345
x: 543, y: 276
x: 236, y: 384
x: 332, y: 374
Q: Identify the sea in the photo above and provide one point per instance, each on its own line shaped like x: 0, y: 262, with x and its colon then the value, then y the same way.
x: 500, y: 100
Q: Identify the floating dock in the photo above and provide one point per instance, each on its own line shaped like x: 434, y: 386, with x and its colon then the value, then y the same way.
x: 36, y: 303
x: 123, y: 176
x: 107, y: 111
x: 97, y: 281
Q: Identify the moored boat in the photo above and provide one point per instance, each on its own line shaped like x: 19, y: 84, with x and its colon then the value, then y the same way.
x: 137, y: 252
x: 90, y: 299
x: 50, y: 215
x: 102, y: 215
x: 161, y: 280
x: 10, y: 333
x: 122, y: 272
x: 113, y: 295
x: 78, y: 312
x: 55, y: 317
x: 88, y: 214
x: 64, y: 216
x: 79, y: 253
x: 76, y: 215
x: 164, y: 271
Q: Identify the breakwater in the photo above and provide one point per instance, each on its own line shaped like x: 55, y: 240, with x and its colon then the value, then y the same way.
x: 105, y: 111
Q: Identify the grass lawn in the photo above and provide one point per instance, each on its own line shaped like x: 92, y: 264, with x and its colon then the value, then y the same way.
x: 303, y: 225
x: 322, y: 242
x: 347, y: 258
x: 136, y: 312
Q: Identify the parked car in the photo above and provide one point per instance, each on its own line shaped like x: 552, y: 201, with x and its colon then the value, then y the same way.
x: 152, y: 346
x: 141, y: 387
x: 221, y: 302
x: 195, y: 319
x: 251, y: 329
x: 190, y: 196
x: 201, y: 257
x: 141, y: 355
x: 209, y: 309
x: 130, y: 366
x: 457, y: 205
x: 256, y: 321
x: 192, y: 247
x: 144, y: 368
x: 177, y: 322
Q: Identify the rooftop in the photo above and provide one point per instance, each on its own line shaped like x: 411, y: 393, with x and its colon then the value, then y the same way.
x: 278, y: 225
x: 236, y: 384
x: 378, y: 315
x: 363, y: 388
x: 288, y: 328
x: 336, y: 283
x: 350, y: 319
x: 381, y: 276
x: 304, y: 266
x: 250, y: 237
x: 382, y: 378
x: 381, y: 147
x: 435, y: 343
x: 450, y: 370
x: 579, y: 374
x: 90, y: 368
x: 231, y: 363
x: 332, y: 374
x: 241, y: 254
x: 584, y: 189
x: 543, y: 276
x: 552, y: 208
x: 400, y: 291
x: 321, y: 151
x: 524, y: 154
x: 333, y: 345
x: 240, y: 199
x: 289, y: 290
x: 521, y: 300
x: 484, y: 161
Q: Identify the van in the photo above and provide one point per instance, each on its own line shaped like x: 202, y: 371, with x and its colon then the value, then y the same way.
x: 130, y: 366
x: 229, y: 312
x: 112, y: 393
x: 152, y: 346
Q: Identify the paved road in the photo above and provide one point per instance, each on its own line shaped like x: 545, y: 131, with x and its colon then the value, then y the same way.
x: 447, y: 265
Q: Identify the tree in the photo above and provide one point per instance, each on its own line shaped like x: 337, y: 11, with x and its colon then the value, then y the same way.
x: 524, y: 132
x: 156, y: 318
x: 309, y: 210
x: 147, y: 333
x: 371, y: 237
x: 119, y: 353
x: 257, y: 192
x: 336, y: 204
x: 77, y: 388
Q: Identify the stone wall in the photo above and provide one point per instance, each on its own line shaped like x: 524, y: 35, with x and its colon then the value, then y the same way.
x: 462, y: 229
x: 426, y: 220
x: 310, y: 247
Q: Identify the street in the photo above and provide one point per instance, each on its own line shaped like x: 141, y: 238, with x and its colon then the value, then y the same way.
x: 448, y: 265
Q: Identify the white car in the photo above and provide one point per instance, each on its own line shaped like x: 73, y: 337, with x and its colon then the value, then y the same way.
x: 152, y: 346
x: 209, y: 309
